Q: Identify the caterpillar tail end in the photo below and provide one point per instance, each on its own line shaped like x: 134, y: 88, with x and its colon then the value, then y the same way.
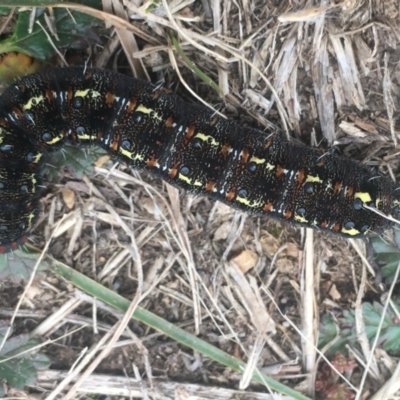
x: 13, y: 245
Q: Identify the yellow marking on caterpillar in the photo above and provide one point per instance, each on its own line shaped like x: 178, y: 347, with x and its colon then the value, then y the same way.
x: 131, y: 155
x: 84, y: 93
x: 248, y: 203
x: 30, y: 218
x: 86, y: 136
x: 270, y: 167
x: 204, y: 138
x: 365, y: 197
x: 33, y: 101
x: 396, y: 202
x: 146, y: 110
x: 299, y: 218
x: 34, y: 181
x: 351, y: 232
x: 37, y: 158
x: 377, y: 202
x: 311, y: 178
x: 257, y: 160
x: 189, y: 181
x: 55, y: 139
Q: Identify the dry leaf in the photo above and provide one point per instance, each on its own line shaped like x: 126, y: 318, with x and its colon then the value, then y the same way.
x: 334, y: 293
x: 34, y: 291
x: 157, y: 210
x: 222, y: 209
x: 68, y: 196
x: 285, y: 266
x: 101, y: 161
x: 246, y: 260
x: 223, y: 231
x: 269, y: 245
x: 292, y: 250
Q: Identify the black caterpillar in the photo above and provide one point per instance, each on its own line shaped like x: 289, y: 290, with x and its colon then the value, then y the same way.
x: 187, y: 145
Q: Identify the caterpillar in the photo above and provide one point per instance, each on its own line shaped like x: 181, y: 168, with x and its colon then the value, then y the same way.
x: 186, y: 145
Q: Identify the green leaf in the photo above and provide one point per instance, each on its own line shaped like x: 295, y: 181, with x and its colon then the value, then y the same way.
x: 18, y: 266
x: 328, y: 330
x: 344, y: 325
x: 70, y: 26
x: 5, y: 10
x: 330, y: 334
x: 388, y: 255
x: 391, y: 340
x: 43, y: 3
x: 17, y: 369
x: 78, y: 160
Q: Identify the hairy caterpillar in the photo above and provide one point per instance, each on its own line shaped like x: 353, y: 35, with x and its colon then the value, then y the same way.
x: 187, y: 145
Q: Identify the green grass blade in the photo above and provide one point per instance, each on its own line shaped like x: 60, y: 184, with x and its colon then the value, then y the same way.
x: 193, y: 66
x: 115, y: 300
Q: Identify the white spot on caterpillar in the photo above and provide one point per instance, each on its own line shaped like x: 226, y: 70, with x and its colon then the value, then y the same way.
x: 106, y: 141
x: 63, y: 96
x: 30, y: 118
x: 124, y: 104
x: 11, y: 118
x: 328, y: 186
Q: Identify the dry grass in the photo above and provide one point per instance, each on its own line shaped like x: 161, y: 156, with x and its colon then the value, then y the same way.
x: 325, y: 72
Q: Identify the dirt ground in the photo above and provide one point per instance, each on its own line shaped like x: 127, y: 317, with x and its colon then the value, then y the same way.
x: 326, y: 73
